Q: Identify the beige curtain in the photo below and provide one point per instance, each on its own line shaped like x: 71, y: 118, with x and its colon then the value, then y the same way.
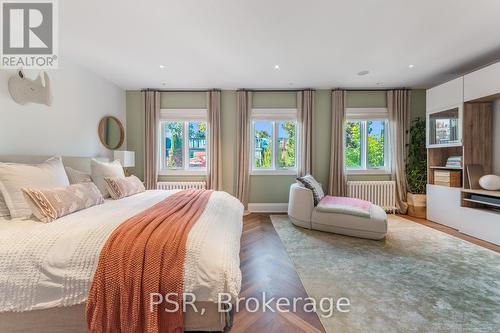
x: 214, y: 165
x: 151, y: 123
x: 305, y: 105
x: 399, y: 104
x: 244, y: 109
x: 337, y: 184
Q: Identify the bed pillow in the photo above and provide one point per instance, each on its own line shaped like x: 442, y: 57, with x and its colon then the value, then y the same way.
x: 49, y: 205
x: 13, y: 177
x: 309, y: 182
x: 123, y: 187
x: 77, y: 177
x: 4, y: 211
x: 101, y: 170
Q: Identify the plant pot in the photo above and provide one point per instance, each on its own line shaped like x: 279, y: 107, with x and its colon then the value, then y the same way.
x: 417, y: 205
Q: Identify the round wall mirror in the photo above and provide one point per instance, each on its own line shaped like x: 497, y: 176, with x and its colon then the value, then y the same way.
x: 111, y: 132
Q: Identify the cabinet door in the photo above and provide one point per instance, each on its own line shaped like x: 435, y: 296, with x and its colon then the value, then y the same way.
x: 443, y: 205
x: 445, y: 96
x: 482, y: 83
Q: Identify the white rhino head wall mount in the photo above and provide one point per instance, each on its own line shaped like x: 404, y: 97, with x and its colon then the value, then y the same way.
x: 24, y: 90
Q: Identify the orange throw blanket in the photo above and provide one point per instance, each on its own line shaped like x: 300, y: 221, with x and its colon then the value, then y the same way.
x: 144, y: 255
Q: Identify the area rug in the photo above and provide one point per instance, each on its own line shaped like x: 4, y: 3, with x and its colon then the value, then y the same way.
x: 416, y: 280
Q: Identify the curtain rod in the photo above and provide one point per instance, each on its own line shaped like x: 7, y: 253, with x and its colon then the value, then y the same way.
x: 263, y: 90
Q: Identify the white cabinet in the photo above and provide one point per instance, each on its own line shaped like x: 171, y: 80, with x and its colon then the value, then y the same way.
x: 482, y: 83
x: 481, y: 223
x: 446, y: 96
x: 443, y: 205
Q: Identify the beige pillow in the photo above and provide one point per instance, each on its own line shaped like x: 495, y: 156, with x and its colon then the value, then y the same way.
x: 13, y: 177
x: 48, y: 205
x: 4, y: 211
x: 124, y: 186
x: 77, y: 177
x: 101, y: 170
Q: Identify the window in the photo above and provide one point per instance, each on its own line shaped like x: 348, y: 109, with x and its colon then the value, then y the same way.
x: 274, y: 141
x: 366, y: 142
x: 183, y: 141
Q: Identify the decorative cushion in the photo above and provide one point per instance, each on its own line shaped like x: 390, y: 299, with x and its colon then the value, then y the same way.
x: 4, y: 211
x: 13, y: 177
x: 77, y: 177
x: 309, y: 182
x: 48, y: 205
x: 124, y: 186
x: 101, y: 170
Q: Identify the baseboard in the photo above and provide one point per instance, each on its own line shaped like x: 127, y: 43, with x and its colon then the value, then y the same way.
x: 268, y: 207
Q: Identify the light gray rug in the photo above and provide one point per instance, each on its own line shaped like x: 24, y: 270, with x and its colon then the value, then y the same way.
x: 417, y: 280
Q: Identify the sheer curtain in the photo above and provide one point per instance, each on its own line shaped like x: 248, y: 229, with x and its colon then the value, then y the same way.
x: 399, y: 104
x: 214, y: 165
x: 151, y: 124
x: 337, y: 184
x: 244, y: 109
x: 305, y: 106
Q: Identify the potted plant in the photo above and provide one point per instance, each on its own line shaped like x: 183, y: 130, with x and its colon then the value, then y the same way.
x: 416, y: 170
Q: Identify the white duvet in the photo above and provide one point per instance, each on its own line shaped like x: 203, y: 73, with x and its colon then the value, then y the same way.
x: 45, y: 265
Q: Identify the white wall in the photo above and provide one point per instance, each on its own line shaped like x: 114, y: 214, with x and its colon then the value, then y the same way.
x: 69, y: 126
x: 496, y: 138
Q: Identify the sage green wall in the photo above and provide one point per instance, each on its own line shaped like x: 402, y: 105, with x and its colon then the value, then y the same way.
x: 263, y: 189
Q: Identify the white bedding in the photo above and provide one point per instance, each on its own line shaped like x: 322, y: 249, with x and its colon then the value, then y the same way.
x: 44, y: 265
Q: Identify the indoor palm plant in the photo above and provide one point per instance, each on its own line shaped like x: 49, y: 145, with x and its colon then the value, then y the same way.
x: 416, y: 169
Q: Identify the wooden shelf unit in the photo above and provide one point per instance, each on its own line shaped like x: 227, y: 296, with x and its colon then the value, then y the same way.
x: 467, y: 201
x: 476, y: 145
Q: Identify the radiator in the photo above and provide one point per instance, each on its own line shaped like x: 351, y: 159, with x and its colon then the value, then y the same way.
x: 181, y: 185
x: 381, y: 193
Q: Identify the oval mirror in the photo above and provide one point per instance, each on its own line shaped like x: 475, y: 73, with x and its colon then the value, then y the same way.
x: 111, y: 132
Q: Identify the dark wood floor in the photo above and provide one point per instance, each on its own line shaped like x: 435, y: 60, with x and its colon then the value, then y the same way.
x: 267, y: 268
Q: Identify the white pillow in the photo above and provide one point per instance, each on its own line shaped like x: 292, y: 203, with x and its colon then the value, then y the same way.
x: 4, y: 211
x: 100, y: 170
x: 13, y: 177
x: 76, y: 176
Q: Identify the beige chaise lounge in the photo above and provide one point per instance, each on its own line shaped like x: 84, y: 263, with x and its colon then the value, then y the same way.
x: 303, y: 213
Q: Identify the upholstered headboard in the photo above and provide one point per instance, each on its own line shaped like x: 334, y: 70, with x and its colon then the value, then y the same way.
x: 78, y: 163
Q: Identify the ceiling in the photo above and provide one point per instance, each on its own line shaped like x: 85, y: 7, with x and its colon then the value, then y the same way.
x: 232, y: 44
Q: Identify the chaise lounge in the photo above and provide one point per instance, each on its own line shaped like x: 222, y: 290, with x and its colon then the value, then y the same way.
x: 345, y: 216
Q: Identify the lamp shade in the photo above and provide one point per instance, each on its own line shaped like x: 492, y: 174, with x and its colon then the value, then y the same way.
x: 126, y: 158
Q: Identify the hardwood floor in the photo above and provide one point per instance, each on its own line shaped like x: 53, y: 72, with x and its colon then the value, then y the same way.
x: 267, y: 268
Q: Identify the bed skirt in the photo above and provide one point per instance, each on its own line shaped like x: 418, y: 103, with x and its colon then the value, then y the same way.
x: 72, y: 320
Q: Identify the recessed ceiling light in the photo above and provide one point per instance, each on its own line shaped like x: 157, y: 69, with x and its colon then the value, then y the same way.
x: 276, y: 66
x: 162, y: 66
x: 163, y: 84
x: 364, y: 72
x: 411, y: 66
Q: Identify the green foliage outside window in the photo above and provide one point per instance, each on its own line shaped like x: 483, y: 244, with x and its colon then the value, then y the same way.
x: 174, y: 154
x: 353, y: 144
x: 286, y: 157
x: 375, y: 142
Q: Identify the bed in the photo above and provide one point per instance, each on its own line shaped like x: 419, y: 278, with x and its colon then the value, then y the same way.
x: 46, y: 269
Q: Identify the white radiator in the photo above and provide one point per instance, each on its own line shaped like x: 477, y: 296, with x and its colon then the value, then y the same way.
x: 381, y: 193
x: 181, y: 185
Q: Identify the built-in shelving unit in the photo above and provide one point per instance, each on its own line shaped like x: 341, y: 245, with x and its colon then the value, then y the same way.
x: 470, y: 210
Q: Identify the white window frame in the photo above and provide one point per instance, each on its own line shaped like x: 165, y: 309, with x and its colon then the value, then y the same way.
x: 364, y: 115
x: 185, y: 116
x: 274, y: 116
